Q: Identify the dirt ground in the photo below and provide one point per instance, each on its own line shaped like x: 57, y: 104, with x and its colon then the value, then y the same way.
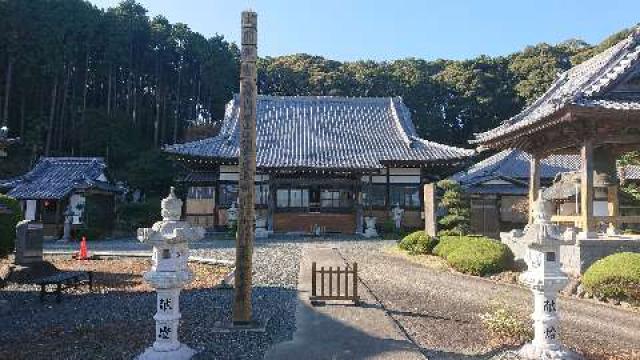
x: 441, y: 309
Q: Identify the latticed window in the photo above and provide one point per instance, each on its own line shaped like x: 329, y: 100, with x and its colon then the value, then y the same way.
x: 228, y: 194
x: 407, y: 196
x: 201, y: 192
x: 292, y: 198
x: 335, y: 199
x: 374, y: 195
x: 262, y: 194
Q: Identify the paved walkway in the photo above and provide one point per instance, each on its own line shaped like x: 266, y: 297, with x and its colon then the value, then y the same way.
x: 341, y: 331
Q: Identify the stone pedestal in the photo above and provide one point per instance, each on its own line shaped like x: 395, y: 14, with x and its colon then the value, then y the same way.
x: 29, y: 235
x: 68, y: 220
x: 370, y: 223
x: 261, y: 227
x: 169, y: 273
x: 545, y: 279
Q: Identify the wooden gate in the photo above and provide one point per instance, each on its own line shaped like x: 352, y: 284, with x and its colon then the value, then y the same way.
x: 346, y: 283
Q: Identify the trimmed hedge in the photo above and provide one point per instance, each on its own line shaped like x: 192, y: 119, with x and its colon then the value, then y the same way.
x: 418, y: 243
x: 615, y: 277
x: 475, y: 255
x: 8, y: 224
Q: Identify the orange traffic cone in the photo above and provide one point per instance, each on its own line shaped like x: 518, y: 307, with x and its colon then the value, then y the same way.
x: 83, y: 249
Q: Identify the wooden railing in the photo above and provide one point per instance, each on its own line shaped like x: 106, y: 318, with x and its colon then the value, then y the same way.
x: 342, y: 281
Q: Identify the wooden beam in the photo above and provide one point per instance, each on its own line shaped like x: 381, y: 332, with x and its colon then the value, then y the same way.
x: 534, y: 183
x: 586, y: 186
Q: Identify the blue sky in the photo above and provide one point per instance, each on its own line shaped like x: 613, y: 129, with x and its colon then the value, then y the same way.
x: 387, y: 30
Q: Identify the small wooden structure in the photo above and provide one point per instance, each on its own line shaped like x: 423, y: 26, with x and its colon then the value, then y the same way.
x: 58, y: 183
x: 592, y: 110
x: 346, y: 283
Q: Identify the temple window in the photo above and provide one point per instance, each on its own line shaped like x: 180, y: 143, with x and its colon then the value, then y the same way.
x: 201, y: 192
x: 228, y: 194
x: 292, y: 198
x: 407, y: 196
x: 374, y: 195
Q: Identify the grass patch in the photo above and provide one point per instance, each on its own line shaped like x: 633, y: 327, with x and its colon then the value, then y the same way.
x: 428, y: 261
x: 506, y: 326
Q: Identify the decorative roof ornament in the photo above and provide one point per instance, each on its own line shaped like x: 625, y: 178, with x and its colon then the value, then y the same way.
x: 542, y: 232
x: 171, y: 207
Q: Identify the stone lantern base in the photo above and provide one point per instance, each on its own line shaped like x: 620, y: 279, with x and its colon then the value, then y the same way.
x: 182, y: 353
x: 532, y: 351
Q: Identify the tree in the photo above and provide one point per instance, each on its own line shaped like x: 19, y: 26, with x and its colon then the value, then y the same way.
x: 456, y: 220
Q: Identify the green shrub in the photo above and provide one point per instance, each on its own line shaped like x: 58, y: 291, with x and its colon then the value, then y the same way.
x: 447, y: 244
x: 616, y: 277
x: 418, y: 243
x: 8, y: 224
x: 389, y: 227
x: 475, y: 255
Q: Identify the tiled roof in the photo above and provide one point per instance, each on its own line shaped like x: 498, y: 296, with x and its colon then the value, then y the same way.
x: 514, y: 164
x: 56, y: 177
x: 324, y: 132
x: 583, y: 85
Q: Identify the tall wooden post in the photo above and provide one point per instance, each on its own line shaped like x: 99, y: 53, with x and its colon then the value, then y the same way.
x: 534, y: 183
x: 244, y: 241
x: 586, y: 188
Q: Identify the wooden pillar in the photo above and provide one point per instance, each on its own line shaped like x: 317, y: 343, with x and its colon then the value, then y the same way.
x: 534, y: 183
x: 271, y: 203
x: 586, y: 187
x: 612, y: 199
x: 242, y: 309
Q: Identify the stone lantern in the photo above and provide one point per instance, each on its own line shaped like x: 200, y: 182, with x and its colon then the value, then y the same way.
x: 397, y: 212
x: 545, y: 278
x: 68, y: 220
x: 169, y: 273
x: 370, y: 230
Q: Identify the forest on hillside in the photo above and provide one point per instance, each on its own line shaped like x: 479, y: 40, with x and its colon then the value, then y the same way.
x: 117, y: 83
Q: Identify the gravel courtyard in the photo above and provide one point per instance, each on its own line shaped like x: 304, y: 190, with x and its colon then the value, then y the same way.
x: 119, y: 324
x: 437, y: 309
x: 440, y: 310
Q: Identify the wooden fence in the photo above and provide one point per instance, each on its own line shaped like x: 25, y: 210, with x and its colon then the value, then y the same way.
x: 346, y: 283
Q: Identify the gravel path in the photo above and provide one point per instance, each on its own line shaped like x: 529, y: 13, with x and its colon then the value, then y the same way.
x: 120, y: 325
x: 440, y: 309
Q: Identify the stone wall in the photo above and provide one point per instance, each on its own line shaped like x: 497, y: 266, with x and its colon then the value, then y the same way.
x: 576, y: 259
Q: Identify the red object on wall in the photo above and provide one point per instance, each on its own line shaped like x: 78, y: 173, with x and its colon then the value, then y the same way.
x: 83, y: 249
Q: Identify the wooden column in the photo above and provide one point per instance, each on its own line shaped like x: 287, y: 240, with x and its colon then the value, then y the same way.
x: 534, y: 183
x: 612, y: 199
x: 242, y: 309
x: 586, y: 187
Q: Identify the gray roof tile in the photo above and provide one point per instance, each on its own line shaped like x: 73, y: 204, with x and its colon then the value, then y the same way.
x: 583, y: 85
x: 514, y: 164
x: 56, y: 177
x: 324, y: 133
